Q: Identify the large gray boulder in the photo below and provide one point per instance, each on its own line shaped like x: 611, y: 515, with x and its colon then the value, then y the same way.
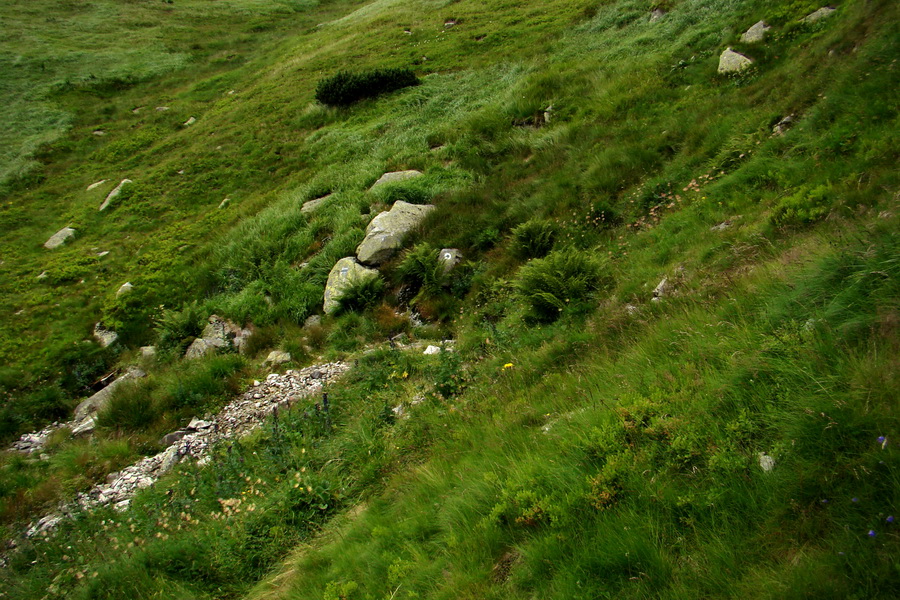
x: 395, y: 176
x: 345, y: 273
x: 386, y: 232
x: 732, y: 62
x: 219, y: 333
x: 114, y: 194
x: 91, y: 406
x: 59, y: 238
x: 756, y: 33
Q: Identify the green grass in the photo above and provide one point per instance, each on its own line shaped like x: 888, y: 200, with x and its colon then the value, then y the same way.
x: 610, y: 448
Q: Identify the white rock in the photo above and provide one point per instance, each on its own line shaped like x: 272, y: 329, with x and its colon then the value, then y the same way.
x: 104, y: 336
x: 148, y: 351
x: 190, y: 121
x: 432, y: 350
x: 766, y: 462
x: 85, y: 427
x: 395, y: 176
x: 97, y: 184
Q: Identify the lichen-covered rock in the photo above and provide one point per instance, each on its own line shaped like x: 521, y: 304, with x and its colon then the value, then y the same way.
x: 277, y: 357
x: 395, y: 176
x: 95, y: 403
x: 219, y: 333
x: 756, y: 33
x: 59, y: 238
x: 732, y: 62
x: 345, y: 273
x: 386, y: 232
x: 125, y: 288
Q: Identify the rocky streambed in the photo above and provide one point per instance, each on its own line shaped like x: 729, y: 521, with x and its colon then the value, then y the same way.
x: 238, y: 418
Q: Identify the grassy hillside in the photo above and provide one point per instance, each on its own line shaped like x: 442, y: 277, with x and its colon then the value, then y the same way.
x: 585, y: 438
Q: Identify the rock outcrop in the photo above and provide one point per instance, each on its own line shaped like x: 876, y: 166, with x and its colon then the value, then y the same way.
x: 395, y: 177
x: 104, y: 337
x: 733, y: 62
x: 218, y: 334
x: 59, y: 238
x: 312, y: 205
x: 756, y: 33
x: 114, y: 194
x: 345, y: 273
x: 825, y: 11
x: 386, y: 232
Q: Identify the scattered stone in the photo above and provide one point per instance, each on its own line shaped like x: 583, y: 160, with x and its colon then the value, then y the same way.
x: 631, y: 309
x: 190, y: 122
x: 312, y: 205
x: 277, y: 357
x: 162, y: 108
x: 102, y: 254
x: 199, y: 424
x: 394, y: 177
x: 104, y: 337
x: 148, y: 351
x: 430, y: 350
x: 825, y: 11
x: 756, y: 33
x: 449, y: 23
x: 386, y: 232
x: 721, y: 226
x: 766, y: 462
x: 345, y: 273
x: 732, y: 62
x: 312, y: 321
x: 657, y: 14
x: 198, y: 348
x: 94, y: 186
x: 449, y: 258
x: 224, y: 203
x: 99, y: 132
x: 59, y: 238
x: 126, y: 288
x: 783, y: 125
x: 114, y: 193
x: 548, y: 112
x: 137, y: 110
x: 661, y: 290
x: 44, y: 275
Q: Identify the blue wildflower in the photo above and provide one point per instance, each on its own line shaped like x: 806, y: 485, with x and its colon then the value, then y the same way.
x: 872, y: 533
x: 854, y: 499
x: 890, y: 519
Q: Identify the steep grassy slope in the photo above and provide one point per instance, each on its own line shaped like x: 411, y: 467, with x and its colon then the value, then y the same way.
x: 584, y: 440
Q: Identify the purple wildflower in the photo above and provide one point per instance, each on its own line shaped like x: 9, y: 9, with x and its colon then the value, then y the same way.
x: 854, y: 499
x: 890, y: 519
x: 872, y: 533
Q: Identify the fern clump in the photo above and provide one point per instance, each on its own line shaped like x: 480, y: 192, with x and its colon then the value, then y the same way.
x: 564, y: 279
x: 345, y: 88
x: 533, y: 239
x: 361, y: 295
x: 421, y: 269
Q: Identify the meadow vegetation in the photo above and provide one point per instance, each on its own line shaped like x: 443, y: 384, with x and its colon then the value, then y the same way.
x: 733, y: 433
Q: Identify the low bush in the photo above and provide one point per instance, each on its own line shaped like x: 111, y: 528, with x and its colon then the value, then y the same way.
x: 131, y: 407
x: 564, y: 279
x: 345, y: 88
x: 175, y: 328
x: 803, y: 207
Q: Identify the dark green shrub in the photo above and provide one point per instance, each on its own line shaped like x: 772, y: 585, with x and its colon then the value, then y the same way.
x: 564, y: 279
x: 361, y: 295
x: 345, y: 88
x: 533, y: 239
